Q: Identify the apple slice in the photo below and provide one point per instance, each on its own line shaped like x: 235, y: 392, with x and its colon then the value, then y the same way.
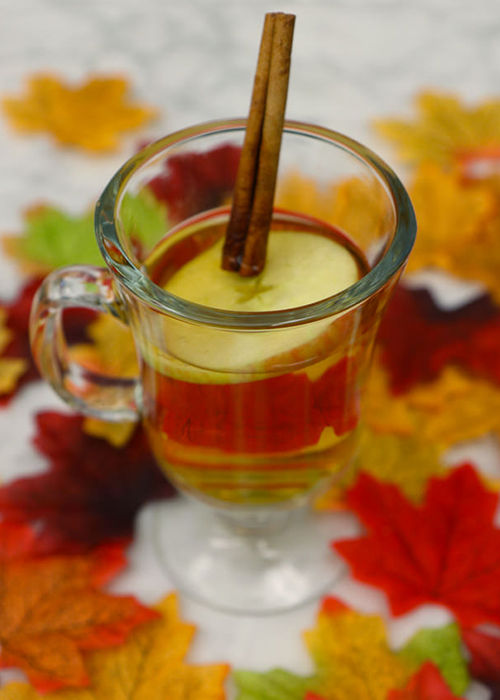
x: 301, y: 268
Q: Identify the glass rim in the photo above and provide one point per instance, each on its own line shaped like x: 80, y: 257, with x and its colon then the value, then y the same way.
x: 140, y: 285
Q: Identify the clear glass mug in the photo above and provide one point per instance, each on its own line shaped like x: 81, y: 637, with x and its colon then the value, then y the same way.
x: 249, y: 413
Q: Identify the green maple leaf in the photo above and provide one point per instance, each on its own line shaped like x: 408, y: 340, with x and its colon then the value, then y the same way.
x: 276, y: 684
x: 443, y: 647
x: 53, y: 238
x: 144, y: 218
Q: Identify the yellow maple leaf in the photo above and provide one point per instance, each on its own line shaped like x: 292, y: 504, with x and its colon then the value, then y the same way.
x: 382, y: 411
x: 352, y: 655
x: 445, y: 130
x: 453, y: 217
x: 11, y: 368
x: 393, y: 446
x: 11, y: 371
x: 456, y: 407
x: 453, y: 408
x: 117, y: 434
x: 112, y: 351
x: 149, y: 665
x: 481, y: 263
x: 406, y: 462
x: 351, y: 204
x: 90, y: 116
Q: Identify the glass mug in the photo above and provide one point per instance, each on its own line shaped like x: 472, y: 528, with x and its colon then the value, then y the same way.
x: 250, y: 414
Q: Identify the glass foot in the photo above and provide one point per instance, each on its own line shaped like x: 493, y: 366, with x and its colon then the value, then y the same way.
x: 259, y: 563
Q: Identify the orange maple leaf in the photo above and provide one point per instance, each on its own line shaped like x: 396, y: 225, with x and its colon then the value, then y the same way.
x: 52, y: 609
x: 89, y: 116
x: 149, y: 665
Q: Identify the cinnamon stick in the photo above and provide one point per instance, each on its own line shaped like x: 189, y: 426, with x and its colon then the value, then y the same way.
x: 251, y: 214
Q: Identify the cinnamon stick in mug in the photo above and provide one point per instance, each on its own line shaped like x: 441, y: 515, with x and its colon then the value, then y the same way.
x: 251, y: 214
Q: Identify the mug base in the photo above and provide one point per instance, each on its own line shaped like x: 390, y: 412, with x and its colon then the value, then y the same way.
x: 244, y: 570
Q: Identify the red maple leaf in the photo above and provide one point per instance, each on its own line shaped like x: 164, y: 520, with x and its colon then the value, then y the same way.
x: 287, y: 412
x: 418, y: 339
x: 52, y: 608
x: 91, y: 491
x: 427, y: 684
x: 484, y: 651
x: 445, y: 551
x: 195, y: 182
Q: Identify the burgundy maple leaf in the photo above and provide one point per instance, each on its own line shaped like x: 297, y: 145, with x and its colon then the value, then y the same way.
x: 91, y: 492
x: 418, y: 340
x: 194, y: 182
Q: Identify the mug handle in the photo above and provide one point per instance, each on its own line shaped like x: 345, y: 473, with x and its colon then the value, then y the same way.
x: 106, y: 398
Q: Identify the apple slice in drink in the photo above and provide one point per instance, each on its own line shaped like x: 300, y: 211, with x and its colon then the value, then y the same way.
x: 301, y: 268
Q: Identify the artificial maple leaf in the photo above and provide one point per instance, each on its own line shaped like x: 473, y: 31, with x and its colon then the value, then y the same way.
x: 445, y: 551
x: 270, y: 685
x: 112, y: 351
x: 144, y: 219
x: 89, y: 116
x: 231, y: 417
x: 453, y: 216
x: 445, y: 130
x: 455, y: 407
x: 52, y: 610
x: 442, y: 647
x: 435, y: 415
x: 352, y: 204
x: 150, y: 664
x: 427, y: 684
x: 195, y: 182
x: 484, y: 650
x: 52, y: 238
x: 407, y: 462
x: 11, y: 368
x: 91, y: 491
x: 417, y: 340
x: 383, y: 412
x: 352, y: 655
x: 117, y: 434
x: 16, y: 363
